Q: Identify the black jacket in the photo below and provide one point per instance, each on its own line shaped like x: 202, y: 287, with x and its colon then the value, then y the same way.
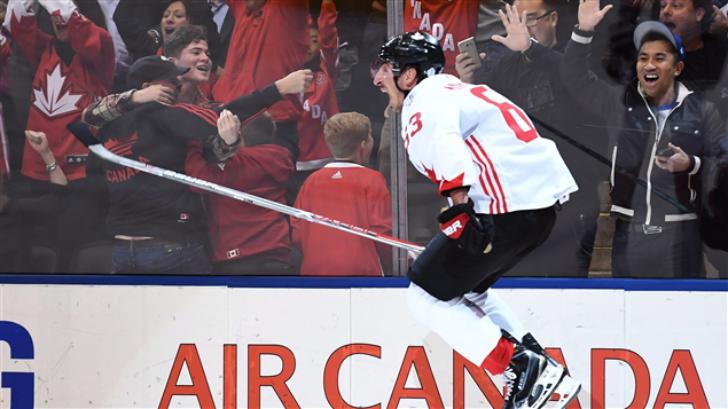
x: 640, y: 189
x: 141, y: 204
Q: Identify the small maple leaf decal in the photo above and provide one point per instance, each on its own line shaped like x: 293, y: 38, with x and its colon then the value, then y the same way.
x: 53, y: 101
x: 430, y: 173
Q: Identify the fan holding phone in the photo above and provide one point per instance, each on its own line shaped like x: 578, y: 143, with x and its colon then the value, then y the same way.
x: 673, y: 159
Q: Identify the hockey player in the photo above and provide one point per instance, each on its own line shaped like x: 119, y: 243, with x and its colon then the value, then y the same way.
x: 503, y: 182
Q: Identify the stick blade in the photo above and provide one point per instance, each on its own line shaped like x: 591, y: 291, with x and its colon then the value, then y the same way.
x: 83, y: 133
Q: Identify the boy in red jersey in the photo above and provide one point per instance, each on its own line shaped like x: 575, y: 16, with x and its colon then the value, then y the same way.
x: 345, y: 190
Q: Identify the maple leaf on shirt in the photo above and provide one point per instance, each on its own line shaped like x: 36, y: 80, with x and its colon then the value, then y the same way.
x: 53, y: 101
x: 430, y: 174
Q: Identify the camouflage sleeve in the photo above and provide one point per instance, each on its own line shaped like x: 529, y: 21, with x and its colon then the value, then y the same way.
x: 216, y: 150
x: 108, y: 109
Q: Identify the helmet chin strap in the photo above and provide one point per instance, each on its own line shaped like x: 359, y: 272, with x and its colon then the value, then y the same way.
x: 396, y: 84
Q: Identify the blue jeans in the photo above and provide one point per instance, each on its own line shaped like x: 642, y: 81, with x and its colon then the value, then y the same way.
x: 159, y: 257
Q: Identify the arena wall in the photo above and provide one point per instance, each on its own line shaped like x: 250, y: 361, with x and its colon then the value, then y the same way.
x: 114, y: 342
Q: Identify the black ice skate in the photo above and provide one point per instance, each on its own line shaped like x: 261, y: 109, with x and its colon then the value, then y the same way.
x: 568, y: 387
x: 531, y: 379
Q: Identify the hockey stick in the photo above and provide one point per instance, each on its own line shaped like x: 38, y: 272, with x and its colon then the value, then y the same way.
x: 83, y: 134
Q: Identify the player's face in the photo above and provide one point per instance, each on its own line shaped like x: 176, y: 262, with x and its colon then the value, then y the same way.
x: 196, y: 56
x: 540, y: 20
x: 656, y: 70
x: 384, y: 80
x: 174, y: 17
x: 681, y: 17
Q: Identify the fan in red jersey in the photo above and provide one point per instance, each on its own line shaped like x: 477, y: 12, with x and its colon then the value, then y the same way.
x: 448, y: 21
x: 248, y: 239
x: 345, y: 190
x: 270, y: 39
x: 72, y: 69
x: 320, y: 102
x: 73, y: 66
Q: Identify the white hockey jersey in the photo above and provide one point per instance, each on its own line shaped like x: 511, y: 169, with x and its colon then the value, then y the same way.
x: 459, y: 134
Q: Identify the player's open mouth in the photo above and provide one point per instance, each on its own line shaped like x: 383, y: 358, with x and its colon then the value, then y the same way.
x: 169, y: 30
x: 203, y: 68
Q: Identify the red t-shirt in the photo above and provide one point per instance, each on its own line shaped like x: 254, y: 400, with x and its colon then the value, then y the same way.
x: 320, y: 102
x: 236, y: 229
x: 61, y: 91
x: 265, y: 46
x: 351, y: 194
x: 449, y: 21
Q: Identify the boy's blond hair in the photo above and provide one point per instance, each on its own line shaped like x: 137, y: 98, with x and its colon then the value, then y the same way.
x: 345, y: 131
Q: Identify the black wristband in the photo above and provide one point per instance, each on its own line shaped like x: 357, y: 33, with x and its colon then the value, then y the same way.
x: 581, y: 32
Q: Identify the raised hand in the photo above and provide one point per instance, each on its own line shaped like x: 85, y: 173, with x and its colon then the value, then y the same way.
x: 295, y: 83
x: 719, y: 22
x: 590, y: 15
x: 38, y: 141
x: 517, y: 36
x: 228, y: 126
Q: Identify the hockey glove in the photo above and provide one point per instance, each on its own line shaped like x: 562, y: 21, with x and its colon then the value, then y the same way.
x: 472, y: 233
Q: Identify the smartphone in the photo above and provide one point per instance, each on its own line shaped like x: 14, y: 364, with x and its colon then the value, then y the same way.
x: 666, y: 152
x: 468, y: 46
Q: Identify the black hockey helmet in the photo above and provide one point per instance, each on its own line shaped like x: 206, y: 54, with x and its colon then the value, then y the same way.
x: 416, y: 49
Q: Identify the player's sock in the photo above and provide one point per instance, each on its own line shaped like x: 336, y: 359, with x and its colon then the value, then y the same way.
x: 497, y: 361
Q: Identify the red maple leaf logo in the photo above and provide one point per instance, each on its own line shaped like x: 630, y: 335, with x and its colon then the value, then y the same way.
x: 430, y: 174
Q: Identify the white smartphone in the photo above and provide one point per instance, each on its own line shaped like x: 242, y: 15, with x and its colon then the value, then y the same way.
x: 468, y: 46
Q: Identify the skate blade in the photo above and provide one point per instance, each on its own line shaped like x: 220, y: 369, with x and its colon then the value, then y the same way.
x: 564, y: 393
x: 550, y: 378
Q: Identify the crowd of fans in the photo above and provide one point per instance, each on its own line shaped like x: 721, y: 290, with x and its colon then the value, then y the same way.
x: 276, y: 98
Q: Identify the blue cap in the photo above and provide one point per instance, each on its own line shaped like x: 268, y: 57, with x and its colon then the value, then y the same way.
x: 656, y: 27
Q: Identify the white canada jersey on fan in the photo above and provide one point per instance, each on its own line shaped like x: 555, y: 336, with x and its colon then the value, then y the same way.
x: 459, y: 134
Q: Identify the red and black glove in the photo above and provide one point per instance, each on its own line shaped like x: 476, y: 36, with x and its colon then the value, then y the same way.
x: 472, y: 232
